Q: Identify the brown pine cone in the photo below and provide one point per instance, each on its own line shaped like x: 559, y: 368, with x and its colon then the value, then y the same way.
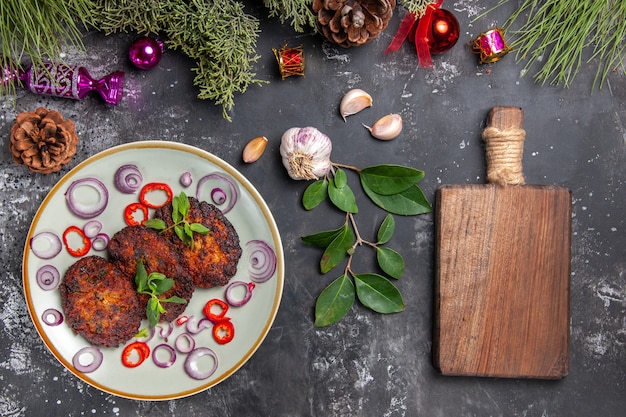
x: 353, y: 22
x: 42, y: 140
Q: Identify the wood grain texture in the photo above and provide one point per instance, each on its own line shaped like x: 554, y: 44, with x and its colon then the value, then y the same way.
x: 502, y: 280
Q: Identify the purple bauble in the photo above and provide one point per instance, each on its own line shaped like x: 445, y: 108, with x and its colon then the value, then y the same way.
x: 145, y: 53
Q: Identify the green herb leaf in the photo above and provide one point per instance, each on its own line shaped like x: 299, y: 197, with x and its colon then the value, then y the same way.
x: 177, y: 216
x: 337, y: 250
x: 152, y: 311
x: 163, y: 285
x: 390, y: 179
x: 343, y: 198
x: 410, y: 202
x: 334, y: 302
x: 141, y: 277
x: 340, y: 179
x: 156, y: 224
x: 378, y: 293
x: 390, y: 261
x: 386, y: 229
x: 322, y: 239
x: 315, y: 194
x: 199, y: 228
x: 174, y: 299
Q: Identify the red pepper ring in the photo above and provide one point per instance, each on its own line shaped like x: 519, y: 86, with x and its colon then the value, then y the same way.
x: 86, y: 242
x: 211, y: 306
x: 152, y: 187
x: 223, y: 331
x: 129, y: 213
x: 142, y: 350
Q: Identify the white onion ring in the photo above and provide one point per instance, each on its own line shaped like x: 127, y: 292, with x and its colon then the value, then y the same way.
x: 100, y: 242
x: 128, y: 179
x: 92, y: 228
x: 93, y: 365
x: 52, y: 317
x: 191, y: 363
x: 185, y: 179
x: 230, y: 200
x: 262, y: 261
x: 185, y: 343
x: 169, y: 350
x: 54, y: 245
x: 82, y: 210
x: 165, y: 329
x: 238, y: 302
x: 48, y: 277
x: 195, y: 326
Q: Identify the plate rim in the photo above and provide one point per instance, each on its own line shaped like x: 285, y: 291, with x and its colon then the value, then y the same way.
x: 229, y: 169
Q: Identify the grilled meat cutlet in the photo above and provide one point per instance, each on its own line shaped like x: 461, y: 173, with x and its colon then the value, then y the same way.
x: 99, y: 302
x: 213, y: 259
x: 134, y: 243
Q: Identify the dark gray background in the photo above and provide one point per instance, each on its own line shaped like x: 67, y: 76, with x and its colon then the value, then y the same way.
x: 367, y: 365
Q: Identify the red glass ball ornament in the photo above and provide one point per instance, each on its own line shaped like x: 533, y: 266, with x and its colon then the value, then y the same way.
x: 145, y: 53
x: 444, y: 31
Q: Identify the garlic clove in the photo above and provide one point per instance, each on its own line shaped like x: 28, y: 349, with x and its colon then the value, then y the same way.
x: 353, y: 102
x: 254, y: 149
x: 387, y: 127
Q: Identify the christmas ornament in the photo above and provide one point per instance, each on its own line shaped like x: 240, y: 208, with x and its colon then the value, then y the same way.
x: 42, y: 140
x: 434, y: 33
x: 145, y: 53
x: 290, y: 60
x: 61, y: 80
x: 353, y: 22
x: 490, y: 45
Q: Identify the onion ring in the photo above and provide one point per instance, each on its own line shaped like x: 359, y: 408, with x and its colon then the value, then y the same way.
x: 82, y: 210
x: 229, y: 200
x: 95, y: 363
x: 128, y: 179
x: 185, y: 179
x: 165, y: 329
x: 191, y: 363
x: 48, y: 277
x: 185, y: 343
x: 262, y: 261
x: 52, y: 317
x: 51, y: 250
x: 100, y: 241
x: 238, y: 301
x: 170, y: 361
x: 92, y: 228
x: 195, y: 326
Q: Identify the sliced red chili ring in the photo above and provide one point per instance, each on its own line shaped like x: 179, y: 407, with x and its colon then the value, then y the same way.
x: 76, y: 251
x: 140, y: 348
x: 129, y: 213
x: 215, y: 316
x: 223, y: 331
x: 152, y: 187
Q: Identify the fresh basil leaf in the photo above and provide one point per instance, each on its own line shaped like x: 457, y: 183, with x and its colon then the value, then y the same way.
x: 410, y: 202
x: 337, y: 250
x: 343, y: 198
x: 152, y: 311
x: 340, y: 179
x: 183, y: 204
x: 386, y: 229
x: 315, y: 194
x: 390, y: 179
x: 177, y: 217
x: 199, y: 228
x: 156, y: 224
x: 174, y: 299
x: 378, y: 293
x: 322, y: 239
x: 141, y: 277
x: 334, y: 301
x: 163, y: 286
x: 390, y: 261
x: 180, y: 232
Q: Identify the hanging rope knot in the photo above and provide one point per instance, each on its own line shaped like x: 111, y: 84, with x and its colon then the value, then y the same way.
x: 504, y: 150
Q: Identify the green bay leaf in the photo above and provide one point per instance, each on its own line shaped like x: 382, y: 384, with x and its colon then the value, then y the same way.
x: 410, y: 202
x: 337, y: 250
x: 390, y: 261
x: 389, y: 179
x: 378, y: 293
x: 334, y: 301
x: 343, y: 198
x: 322, y: 239
x: 315, y: 194
x: 386, y: 229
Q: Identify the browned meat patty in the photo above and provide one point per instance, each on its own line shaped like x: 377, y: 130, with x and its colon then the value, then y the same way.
x: 213, y: 260
x: 99, y: 302
x: 134, y: 243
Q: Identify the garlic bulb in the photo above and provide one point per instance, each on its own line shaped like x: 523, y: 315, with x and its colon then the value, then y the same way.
x: 387, y: 127
x: 353, y: 102
x: 305, y: 153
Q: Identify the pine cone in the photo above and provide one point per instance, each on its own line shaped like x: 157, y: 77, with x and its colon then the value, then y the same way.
x: 353, y: 22
x: 42, y: 140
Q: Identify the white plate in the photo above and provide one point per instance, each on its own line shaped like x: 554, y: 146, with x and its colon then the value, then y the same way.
x: 251, y: 218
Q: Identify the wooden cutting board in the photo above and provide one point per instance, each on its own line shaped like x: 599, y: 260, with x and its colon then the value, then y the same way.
x: 503, y: 255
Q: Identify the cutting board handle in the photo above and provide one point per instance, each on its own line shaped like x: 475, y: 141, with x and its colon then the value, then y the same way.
x: 504, y: 145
